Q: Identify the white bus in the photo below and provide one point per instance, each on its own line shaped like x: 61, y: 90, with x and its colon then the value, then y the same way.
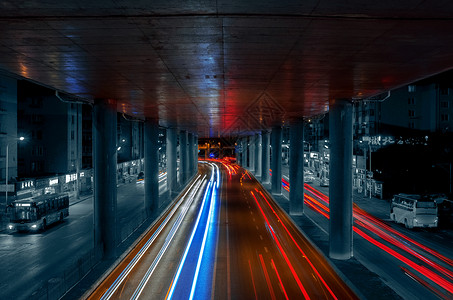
x: 414, y: 211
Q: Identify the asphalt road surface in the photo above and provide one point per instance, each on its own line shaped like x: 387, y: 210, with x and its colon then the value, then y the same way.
x: 224, y: 238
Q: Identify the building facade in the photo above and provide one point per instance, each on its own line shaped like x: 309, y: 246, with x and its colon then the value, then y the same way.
x: 53, y: 130
x: 8, y: 128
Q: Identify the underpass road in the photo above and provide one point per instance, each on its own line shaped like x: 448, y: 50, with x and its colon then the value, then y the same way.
x: 269, y: 257
x: 256, y: 250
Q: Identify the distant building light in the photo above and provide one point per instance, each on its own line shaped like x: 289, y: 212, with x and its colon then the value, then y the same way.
x: 53, y: 181
x: 71, y: 177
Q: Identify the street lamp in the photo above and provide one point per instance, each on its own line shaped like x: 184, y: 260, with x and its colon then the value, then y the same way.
x: 6, y: 171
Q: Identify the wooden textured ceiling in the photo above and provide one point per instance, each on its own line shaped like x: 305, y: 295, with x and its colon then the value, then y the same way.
x: 225, y: 67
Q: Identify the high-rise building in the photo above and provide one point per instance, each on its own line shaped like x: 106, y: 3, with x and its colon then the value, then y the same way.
x: 53, y: 129
x: 8, y: 128
x: 420, y: 108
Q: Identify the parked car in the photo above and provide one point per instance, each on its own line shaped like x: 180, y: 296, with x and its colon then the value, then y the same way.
x: 309, y: 177
x: 324, y: 182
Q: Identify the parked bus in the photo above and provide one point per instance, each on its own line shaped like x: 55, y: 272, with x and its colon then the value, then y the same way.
x: 37, y: 213
x: 414, y: 211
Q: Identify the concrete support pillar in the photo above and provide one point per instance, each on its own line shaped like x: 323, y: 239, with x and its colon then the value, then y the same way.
x: 172, y: 183
x: 236, y: 152
x: 246, y: 152
x: 151, y: 140
x: 277, y: 160
x: 258, y: 154
x: 241, y: 153
x: 105, y: 176
x: 208, y: 150
x: 190, y: 155
x: 183, y: 157
x: 296, y: 167
x: 340, y: 185
x: 252, y: 153
x: 196, y: 153
x: 265, y: 156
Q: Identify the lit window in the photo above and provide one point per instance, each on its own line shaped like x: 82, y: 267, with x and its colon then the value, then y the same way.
x: 411, y: 88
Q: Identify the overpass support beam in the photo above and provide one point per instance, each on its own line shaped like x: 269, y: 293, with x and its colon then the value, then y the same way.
x: 258, y: 154
x: 296, y: 167
x: 241, y: 154
x: 265, y: 157
x: 190, y: 156
x: 340, y: 186
x: 195, y: 145
x: 105, y: 176
x: 183, y: 158
x: 252, y: 153
x: 172, y: 183
x: 277, y: 160
x: 245, y: 152
x: 151, y: 140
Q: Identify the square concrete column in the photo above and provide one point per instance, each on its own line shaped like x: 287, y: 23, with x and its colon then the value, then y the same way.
x: 196, y: 153
x: 241, y: 153
x: 277, y: 160
x: 265, y: 156
x: 151, y: 141
x: 252, y: 153
x: 340, y: 184
x: 296, y: 167
x: 190, y: 154
x: 104, y: 164
x: 172, y: 183
x: 183, y: 157
x: 257, y: 154
x: 245, y: 151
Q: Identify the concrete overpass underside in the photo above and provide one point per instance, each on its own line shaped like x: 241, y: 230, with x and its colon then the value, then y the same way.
x: 221, y: 67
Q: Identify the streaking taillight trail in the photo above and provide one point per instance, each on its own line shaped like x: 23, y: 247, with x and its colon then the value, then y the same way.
x: 378, y: 227
x: 193, y: 189
x: 293, y: 272
x: 188, y: 271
